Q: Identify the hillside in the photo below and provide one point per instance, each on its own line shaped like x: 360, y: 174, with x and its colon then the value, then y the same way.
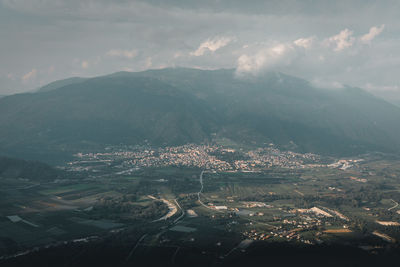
x: 61, y: 83
x: 177, y: 106
x: 31, y: 170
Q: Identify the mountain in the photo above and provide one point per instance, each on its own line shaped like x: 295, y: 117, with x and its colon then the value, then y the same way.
x: 397, y: 103
x: 177, y: 105
x: 283, y: 108
x: 61, y: 83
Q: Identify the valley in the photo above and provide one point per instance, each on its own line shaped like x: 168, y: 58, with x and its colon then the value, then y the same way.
x: 212, y: 202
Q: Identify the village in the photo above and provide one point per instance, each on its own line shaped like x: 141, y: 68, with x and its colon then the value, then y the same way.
x: 211, y: 157
x: 314, y: 222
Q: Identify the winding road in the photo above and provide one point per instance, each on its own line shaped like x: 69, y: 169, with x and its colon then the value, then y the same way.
x: 201, y: 190
x: 395, y: 205
x: 172, y: 208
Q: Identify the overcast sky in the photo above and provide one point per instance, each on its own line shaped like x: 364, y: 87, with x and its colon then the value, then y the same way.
x: 329, y: 43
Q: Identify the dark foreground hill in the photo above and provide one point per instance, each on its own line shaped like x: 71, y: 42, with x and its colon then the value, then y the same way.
x: 30, y: 170
x: 177, y: 106
x: 112, y: 252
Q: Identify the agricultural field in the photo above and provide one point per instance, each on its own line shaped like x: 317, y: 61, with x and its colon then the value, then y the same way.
x: 182, y: 212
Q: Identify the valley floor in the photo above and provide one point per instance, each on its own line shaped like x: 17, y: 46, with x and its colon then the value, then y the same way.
x: 175, y: 216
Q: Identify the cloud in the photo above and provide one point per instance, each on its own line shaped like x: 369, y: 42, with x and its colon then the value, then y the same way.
x: 129, y: 54
x: 387, y: 88
x: 325, y: 84
x: 30, y: 75
x: 158, y: 29
x: 85, y: 64
x: 51, y: 69
x: 211, y: 45
x: 373, y: 32
x: 304, y: 42
x: 148, y: 63
x: 263, y: 59
x: 342, y: 40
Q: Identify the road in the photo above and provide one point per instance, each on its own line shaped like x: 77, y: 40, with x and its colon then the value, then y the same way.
x: 201, y: 190
x: 175, y: 221
x: 172, y: 208
x: 395, y: 205
x: 134, y: 248
x: 201, y: 183
x: 174, y: 255
x: 183, y: 212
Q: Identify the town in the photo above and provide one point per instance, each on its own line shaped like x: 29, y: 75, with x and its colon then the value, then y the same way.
x: 210, y: 157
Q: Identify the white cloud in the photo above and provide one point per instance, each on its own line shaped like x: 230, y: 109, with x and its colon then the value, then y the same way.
x: 178, y: 54
x: 342, y: 40
x: 30, y: 75
x: 129, y: 54
x: 325, y: 84
x: 211, y: 45
x: 373, y: 32
x: 85, y: 64
x: 148, y: 63
x: 263, y: 59
x: 51, y: 70
x: 304, y: 42
x: 388, y: 88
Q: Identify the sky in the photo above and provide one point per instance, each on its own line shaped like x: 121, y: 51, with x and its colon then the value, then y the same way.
x: 329, y: 43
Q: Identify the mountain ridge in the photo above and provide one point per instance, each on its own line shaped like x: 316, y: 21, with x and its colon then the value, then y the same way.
x: 178, y: 105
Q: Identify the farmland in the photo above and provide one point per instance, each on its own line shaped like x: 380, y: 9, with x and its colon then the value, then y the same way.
x: 156, y: 209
